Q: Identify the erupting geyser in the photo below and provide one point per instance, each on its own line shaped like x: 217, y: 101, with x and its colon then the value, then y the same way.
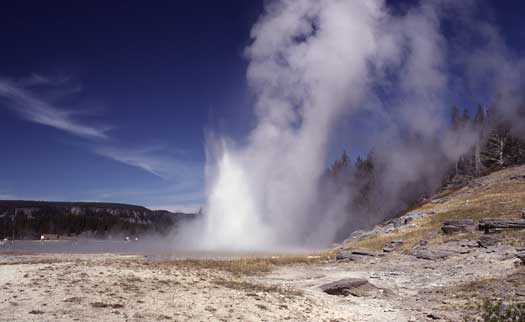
x: 305, y: 69
x: 311, y: 62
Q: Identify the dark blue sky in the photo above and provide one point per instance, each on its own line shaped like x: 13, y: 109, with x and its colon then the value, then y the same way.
x: 128, y: 89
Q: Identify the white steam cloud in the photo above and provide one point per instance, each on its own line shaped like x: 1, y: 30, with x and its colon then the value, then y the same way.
x: 311, y: 63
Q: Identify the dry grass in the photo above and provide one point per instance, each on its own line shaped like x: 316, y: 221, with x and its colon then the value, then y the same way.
x: 251, y: 287
x: 488, y: 288
x: 250, y: 265
x: 495, y: 196
x: 34, y: 261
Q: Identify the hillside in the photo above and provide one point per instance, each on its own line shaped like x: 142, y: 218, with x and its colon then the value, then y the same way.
x: 498, y: 195
x: 437, y: 261
x: 29, y: 219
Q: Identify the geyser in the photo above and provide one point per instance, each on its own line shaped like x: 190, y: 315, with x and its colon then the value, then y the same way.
x: 308, y: 64
x: 312, y: 62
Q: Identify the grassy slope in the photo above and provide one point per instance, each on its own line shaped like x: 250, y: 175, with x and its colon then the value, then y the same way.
x: 493, y: 196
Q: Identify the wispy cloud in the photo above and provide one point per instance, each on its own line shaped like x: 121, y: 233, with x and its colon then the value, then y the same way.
x: 37, y: 110
x: 154, y: 160
x: 34, y: 99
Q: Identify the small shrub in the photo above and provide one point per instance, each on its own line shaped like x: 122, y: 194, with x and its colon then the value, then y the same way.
x: 497, y: 311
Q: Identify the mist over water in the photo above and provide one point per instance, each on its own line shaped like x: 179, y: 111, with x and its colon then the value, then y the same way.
x: 312, y: 63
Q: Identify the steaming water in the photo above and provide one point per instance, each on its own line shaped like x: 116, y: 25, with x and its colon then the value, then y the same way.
x: 149, y: 249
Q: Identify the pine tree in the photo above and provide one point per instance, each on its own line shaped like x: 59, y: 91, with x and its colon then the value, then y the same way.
x: 480, y: 120
x: 495, y: 153
x: 455, y: 119
x: 481, y: 116
x: 465, y: 118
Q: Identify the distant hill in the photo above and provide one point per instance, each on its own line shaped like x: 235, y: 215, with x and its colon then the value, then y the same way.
x: 30, y: 219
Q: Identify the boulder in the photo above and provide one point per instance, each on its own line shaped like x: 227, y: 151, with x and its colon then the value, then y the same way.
x: 356, y: 255
x: 348, y: 256
x: 521, y: 256
x: 392, y: 246
x: 457, y: 226
x: 366, y: 252
x: 343, y: 255
x: 430, y: 255
x: 358, y: 287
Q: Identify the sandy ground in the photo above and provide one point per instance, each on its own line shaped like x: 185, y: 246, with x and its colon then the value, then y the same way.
x: 125, y: 288
x: 61, y: 287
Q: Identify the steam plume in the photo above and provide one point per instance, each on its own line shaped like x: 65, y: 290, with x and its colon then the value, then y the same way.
x: 311, y: 63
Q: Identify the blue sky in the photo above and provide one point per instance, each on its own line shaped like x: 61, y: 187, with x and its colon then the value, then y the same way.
x: 109, y: 101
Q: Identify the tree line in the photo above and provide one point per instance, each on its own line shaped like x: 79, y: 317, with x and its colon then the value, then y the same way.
x: 490, y: 142
x: 29, y: 220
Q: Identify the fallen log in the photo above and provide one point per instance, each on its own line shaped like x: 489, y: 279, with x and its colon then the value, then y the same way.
x: 488, y: 224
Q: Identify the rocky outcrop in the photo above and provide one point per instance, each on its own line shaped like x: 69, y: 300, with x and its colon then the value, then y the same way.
x: 488, y: 225
x: 356, y: 254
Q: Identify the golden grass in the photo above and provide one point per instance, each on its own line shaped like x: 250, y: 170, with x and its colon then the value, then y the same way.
x: 34, y: 261
x: 250, y: 265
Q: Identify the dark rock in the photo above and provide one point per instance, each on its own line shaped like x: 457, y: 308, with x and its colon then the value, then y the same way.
x: 414, y: 215
x: 396, y: 222
x: 523, y: 213
x: 434, y: 316
x: 422, y: 243
x: 521, y: 256
x: 490, y: 224
x: 343, y: 287
x: 518, y: 177
x: 343, y: 255
x: 392, y: 246
x: 359, y: 287
x: 469, y: 243
x: 366, y: 252
x: 449, y: 230
x: 487, y: 241
x: 464, y: 222
x: 457, y: 226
